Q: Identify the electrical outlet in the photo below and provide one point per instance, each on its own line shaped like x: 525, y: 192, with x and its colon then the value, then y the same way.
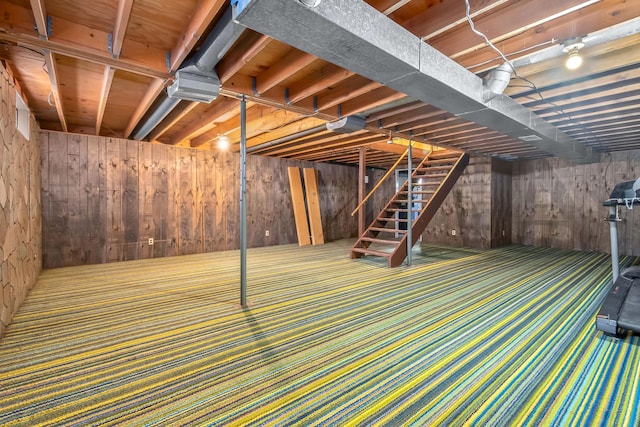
x: 150, y: 241
x: 266, y: 233
x: 453, y: 232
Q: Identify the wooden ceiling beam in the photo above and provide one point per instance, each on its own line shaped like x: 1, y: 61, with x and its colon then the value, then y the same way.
x: 325, y: 77
x: 446, y: 15
x: 254, y: 115
x: 40, y: 16
x: 171, y: 120
x: 202, y: 17
x: 80, y: 42
x: 52, y: 70
x: 120, y: 27
x: 324, y: 138
x: 207, y: 117
x: 290, y: 129
x: 351, y: 89
x: 399, y: 110
x: 516, y: 18
x: 586, y: 21
x: 156, y: 86
x: 292, y: 62
x: 248, y: 47
x: 107, y: 81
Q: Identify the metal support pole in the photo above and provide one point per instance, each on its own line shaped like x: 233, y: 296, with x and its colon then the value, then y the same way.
x: 409, y: 203
x: 243, y: 202
x: 613, y: 231
x: 362, y: 173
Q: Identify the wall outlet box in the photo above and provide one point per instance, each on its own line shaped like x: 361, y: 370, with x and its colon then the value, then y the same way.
x: 453, y: 232
x: 266, y: 233
x: 150, y: 241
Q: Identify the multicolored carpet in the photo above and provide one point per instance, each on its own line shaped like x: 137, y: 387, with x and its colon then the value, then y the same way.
x: 500, y: 337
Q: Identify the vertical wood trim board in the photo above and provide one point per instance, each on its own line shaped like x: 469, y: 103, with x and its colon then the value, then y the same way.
x: 313, y: 205
x: 299, y: 211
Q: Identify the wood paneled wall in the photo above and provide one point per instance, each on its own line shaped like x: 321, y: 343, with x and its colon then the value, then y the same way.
x: 20, y: 218
x: 478, y: 208
x: 103, y: 198
x: 558, y: 204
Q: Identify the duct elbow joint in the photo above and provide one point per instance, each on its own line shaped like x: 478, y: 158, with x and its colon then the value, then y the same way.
x: 497, y: 82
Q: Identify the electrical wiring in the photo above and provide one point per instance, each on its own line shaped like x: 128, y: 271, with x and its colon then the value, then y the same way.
x: 529, y: 82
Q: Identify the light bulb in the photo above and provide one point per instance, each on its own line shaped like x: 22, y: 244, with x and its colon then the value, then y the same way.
x: 574, y: 60
x: 223, y: 142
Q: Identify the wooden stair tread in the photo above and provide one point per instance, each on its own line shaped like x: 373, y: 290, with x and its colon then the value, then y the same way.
x: 386, y: 230
x: 383, y: 241
x: 371, y: 252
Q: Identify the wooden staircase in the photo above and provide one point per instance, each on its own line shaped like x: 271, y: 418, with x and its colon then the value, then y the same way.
x: 431, y: 181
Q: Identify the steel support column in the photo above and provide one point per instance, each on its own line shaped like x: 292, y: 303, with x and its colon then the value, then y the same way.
x: 243, y: 202
x: 409, y: 202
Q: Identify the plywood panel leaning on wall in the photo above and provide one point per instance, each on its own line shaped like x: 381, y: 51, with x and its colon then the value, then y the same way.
x: 299, y: 211
x: 313, y: 205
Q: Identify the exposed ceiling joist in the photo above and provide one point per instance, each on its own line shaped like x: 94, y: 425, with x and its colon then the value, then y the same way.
x: 40, y: 16
x: 80, y: 42
x: 52, y: 70
x: 120, y: 27
x: 379, y: 49
x: 107, y: 81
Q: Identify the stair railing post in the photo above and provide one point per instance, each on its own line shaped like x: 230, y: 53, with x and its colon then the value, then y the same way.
x: 409, y: 203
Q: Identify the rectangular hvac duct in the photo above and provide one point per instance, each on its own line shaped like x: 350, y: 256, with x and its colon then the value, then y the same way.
x: 194, y: 87
x: 355, y: 36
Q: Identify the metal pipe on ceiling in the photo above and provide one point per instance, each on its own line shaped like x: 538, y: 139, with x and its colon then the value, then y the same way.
x: 218, y: 42
x: 287, y: 138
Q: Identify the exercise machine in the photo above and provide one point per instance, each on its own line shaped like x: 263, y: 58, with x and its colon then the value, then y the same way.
x: 621, y: 307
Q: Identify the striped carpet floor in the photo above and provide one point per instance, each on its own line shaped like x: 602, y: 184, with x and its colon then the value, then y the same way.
x: 499, y: 337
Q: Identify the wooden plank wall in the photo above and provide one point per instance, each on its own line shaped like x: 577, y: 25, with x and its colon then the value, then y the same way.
x: 501, y: 202
x: 467, y: 210
x: 105, y: 197
x: 20, y: 209
x: 558, y: 204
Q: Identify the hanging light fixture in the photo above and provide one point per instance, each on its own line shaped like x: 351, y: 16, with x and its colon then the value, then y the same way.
x: 223, y: 142
x: 390, y: 140
x: 572, y: 47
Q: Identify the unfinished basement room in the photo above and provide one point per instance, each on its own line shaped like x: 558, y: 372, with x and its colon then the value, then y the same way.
x: 319, y: 213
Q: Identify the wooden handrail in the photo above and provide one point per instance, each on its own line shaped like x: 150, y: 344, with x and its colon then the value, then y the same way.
x: 395, y: 165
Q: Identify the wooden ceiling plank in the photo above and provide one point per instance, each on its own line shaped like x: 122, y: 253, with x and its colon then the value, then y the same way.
x: 156, y: 86
x: 327, y: 76
x: 591, y: 19
x: 107, y: 81
x: 346, y: 92
x: 292, y: 128
x: 291, y: 63
x: 447, y: 15
x: 248, y: 48
x: 399, y: 110
x: 202, y: 17
x: 40, y: 16
x: 221, y: 110
x: 120, y: 27
x: 516, y: 18
x: 254, y: 114
x: 80, y: 42
x: 52, y: 70
x: 165, y: 125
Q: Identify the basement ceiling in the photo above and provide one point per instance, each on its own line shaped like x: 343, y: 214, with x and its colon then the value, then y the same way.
x: 102, y: 68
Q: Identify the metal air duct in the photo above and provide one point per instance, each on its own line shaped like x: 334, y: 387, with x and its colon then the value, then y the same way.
x: 196, y: 79
x: 355, y: 36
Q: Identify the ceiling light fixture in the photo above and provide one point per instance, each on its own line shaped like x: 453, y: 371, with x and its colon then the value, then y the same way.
x: 572, y: 47
x: 390, y: 140
x: 223, y: 142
